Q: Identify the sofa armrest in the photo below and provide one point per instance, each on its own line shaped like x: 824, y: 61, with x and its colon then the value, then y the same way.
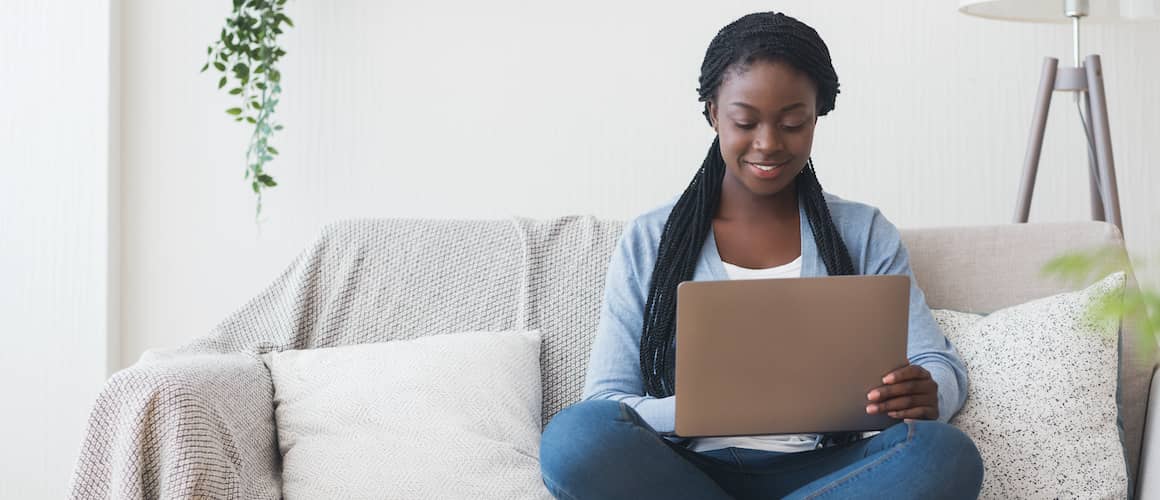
x: 182, y: 425
x: 1148, y: 486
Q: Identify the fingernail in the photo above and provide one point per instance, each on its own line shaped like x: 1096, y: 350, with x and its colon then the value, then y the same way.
x: 870, y: 409
x: 888, y: 379
x: 872, y: 396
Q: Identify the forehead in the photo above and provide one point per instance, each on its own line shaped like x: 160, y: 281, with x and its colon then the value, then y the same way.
x: 768, y: 86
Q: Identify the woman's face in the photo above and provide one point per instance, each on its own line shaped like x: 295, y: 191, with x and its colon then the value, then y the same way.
x: 765, y: 116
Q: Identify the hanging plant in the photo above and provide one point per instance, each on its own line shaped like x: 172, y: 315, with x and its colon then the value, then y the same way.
x: 247, y: 53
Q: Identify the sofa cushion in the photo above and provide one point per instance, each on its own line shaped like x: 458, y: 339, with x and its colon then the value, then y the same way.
x: 442, y: 416
x: 1041, y: 406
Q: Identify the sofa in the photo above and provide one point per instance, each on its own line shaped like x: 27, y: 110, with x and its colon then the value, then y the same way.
x: 199, y: 420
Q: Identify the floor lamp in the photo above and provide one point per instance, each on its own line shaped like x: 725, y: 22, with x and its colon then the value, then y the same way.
x: 1085, y: 79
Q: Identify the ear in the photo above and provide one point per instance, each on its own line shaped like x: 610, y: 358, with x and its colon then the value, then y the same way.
x: 712, y: 110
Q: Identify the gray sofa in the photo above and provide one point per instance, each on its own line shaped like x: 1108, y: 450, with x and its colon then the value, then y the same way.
x: 198, y: 421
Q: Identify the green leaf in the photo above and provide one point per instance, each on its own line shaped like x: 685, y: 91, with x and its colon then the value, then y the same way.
x: 255, y: 186
x: 236, y: 91
x: 222, y: 82
x: 203, y: 68
x: 251, y: 119
x: 234, y: 111
x: 209, y: 50
x: 255, y: 105
x: 219, y: 66
x: 267, y: 180
x: 260, y: 85
x: 272, y: 150
x: 277, y: 127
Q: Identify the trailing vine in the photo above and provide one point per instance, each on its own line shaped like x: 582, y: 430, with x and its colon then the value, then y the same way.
x: 247, y: 53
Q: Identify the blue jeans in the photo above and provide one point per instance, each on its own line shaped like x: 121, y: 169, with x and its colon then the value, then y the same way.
x: 603, y: 449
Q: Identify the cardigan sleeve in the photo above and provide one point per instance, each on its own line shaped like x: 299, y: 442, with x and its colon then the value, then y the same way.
x: 926, y: 345
x: 614, y: 367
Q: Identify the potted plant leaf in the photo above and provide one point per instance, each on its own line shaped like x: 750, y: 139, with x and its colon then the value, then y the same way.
x: 1138, y: 305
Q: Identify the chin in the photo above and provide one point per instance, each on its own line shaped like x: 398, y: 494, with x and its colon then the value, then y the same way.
x: 765, y: 188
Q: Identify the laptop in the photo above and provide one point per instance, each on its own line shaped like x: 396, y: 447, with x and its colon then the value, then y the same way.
x: 786, y: 355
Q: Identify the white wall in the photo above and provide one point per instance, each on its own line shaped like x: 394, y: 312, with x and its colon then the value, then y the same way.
x: 57, y: 235
x: 484, y: 109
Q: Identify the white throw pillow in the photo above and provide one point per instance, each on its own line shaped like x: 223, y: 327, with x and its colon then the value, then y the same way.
x: 443, y: 416
x: 1042, y: 400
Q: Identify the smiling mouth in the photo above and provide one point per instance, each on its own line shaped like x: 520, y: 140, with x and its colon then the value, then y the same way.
x: 767, y: 167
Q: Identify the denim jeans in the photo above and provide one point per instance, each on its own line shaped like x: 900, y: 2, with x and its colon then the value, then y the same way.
x: 603, y: 449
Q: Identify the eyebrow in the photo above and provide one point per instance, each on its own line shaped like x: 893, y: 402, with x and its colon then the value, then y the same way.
x: 787, y: 108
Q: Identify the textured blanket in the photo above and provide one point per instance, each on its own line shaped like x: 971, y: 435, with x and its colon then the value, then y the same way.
x: 198, y: 421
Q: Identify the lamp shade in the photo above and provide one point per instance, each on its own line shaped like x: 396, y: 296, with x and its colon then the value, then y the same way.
x: 1052, y: 11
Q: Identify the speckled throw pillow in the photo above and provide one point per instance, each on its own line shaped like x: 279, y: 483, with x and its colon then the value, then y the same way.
x: 1042, y: 400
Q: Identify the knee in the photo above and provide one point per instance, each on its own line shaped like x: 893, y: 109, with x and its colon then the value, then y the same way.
x: 572, y: 439
x: 954, y: 452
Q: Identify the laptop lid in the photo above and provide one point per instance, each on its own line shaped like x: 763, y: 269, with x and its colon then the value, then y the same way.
x: 793, y: 355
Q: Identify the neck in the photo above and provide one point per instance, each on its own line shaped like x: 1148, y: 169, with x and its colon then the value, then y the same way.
x: 741, y: 205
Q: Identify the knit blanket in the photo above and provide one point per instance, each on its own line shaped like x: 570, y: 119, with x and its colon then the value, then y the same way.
x: 198, y: 420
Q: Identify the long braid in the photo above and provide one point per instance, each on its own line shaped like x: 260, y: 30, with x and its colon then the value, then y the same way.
x: 762, y: 36
x: 681, y: 241
x: 830, y: 245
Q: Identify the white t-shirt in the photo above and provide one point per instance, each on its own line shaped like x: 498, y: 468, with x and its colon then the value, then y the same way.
x: 785, y: 443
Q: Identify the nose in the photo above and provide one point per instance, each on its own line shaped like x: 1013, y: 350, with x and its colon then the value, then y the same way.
x: 767, y: 141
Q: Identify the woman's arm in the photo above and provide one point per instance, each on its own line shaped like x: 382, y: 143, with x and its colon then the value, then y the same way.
x: 614, y: 367
x: 927, y: 346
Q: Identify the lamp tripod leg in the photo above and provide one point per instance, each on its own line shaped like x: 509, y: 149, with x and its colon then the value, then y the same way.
x: 1103, y: 139
x: 1035, y: 139
x: 1097, y: 201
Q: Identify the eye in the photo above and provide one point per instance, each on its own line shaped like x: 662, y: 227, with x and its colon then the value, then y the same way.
x: 745, y: 126
x: 796, y: 126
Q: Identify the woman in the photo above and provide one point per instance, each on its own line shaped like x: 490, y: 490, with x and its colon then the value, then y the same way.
x: 755, y: 209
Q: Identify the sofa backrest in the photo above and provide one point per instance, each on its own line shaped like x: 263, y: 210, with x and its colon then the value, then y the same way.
x: 390, y: 279
x: 366, y: 281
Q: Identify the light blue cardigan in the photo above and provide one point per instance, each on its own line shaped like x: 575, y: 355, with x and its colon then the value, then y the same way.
x: 875, y: 247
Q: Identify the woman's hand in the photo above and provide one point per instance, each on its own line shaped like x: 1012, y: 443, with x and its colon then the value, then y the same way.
x: 909, y: 393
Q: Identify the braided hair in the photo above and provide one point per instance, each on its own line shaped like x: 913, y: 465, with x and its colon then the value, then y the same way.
x: 763, y: 36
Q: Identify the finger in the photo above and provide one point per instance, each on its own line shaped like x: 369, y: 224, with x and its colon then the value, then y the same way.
x: 903, y: 403
x: 908, y: 372
x: 884, y: 392
x: 919, y: 413
x: 899, y: 403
